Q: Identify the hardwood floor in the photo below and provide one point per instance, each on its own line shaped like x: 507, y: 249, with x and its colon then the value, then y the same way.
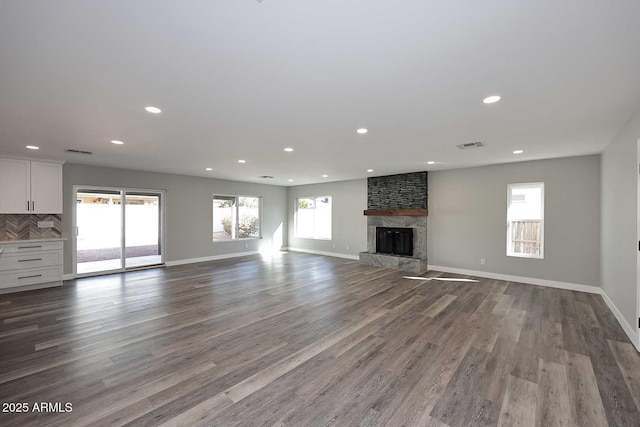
x: 304, y: 340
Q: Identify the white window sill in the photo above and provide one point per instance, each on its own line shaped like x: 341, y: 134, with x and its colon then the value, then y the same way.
x: 526, y: 256
x: 237, y: 240
x: 314, y: 238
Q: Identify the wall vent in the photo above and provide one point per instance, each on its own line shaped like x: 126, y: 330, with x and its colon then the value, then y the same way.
x: 74, y: 151
x: 470, y: 145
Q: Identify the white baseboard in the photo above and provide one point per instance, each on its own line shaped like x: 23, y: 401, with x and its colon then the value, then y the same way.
x: 209, y: 258
x: 520, y: 279
x: 70, y: 276
x: 333, y: 254
x: 628, y: 329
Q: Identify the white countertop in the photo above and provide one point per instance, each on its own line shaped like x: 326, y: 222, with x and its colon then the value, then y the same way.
x: 53, y: 239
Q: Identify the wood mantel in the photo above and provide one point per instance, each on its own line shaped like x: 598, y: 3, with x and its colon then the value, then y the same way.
x: 396, y: 212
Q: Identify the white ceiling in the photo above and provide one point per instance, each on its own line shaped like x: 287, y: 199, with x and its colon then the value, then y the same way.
x: 243, y: 80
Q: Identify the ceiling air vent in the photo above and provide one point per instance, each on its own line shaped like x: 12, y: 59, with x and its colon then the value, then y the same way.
x: 470, y: 145
x: 73, y: 151
x: 266, y: 177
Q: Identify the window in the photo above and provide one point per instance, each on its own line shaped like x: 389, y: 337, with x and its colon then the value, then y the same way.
x: 313, y: 217
x: 236, y: 217
x: 525, y: 220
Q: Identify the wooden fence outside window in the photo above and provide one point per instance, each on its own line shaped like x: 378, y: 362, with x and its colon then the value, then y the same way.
x: 525, y: 237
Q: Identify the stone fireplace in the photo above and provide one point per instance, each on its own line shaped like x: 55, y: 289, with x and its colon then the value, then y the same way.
x: 397, y: 222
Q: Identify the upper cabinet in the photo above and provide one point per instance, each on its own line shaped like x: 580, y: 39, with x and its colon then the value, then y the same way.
x: 46, y: 188
x: 31, y: 187
x: 14, y: 186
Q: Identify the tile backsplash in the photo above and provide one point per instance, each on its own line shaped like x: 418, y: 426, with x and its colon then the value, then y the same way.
x: 25, y: 226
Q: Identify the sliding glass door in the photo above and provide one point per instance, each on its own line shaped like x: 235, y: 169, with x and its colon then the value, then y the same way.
x: 117, y: 229
x: 99, y: 230
x: 142, y: 229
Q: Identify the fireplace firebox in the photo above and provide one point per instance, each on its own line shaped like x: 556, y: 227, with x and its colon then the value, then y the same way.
x: 394, y: 241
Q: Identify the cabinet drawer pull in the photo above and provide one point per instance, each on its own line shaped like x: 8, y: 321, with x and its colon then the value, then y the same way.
x: 30, y: 277
x: 31, y: 259
x: 29, y: 247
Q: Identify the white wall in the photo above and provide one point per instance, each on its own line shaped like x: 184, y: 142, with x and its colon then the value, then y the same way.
x: 188, y: 210
x: 468, y: 211
x: 349, y: 225
x: 619, y: 216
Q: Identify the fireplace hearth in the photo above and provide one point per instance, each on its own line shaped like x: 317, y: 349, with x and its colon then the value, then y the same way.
x: 411, y: 229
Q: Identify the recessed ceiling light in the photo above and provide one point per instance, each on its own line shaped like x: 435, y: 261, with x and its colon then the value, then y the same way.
x: 32, y: 147
x: 491, y: 99
x: 242, y: 161
x: 362, y: 131
x: 325, y: 176
x: 431, y: 162
x: 518, y: 152
x: 369, y: 170
x: 208, y: 169
x: 288, y: 149
x: 115, y: 141
x: 290, y: 180
x: 153, y: 110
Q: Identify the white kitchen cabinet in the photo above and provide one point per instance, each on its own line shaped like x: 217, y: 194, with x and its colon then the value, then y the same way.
x: 30, y: 187
x: 46, y: 188
x: 30, y: 264
x: 14, y: 186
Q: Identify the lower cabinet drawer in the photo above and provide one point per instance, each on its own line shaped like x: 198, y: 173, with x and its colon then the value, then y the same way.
x: 32, y: 276
x: 15, y: 261
x: 7, y: 247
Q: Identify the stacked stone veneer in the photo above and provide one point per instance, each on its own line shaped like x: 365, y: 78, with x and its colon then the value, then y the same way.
x: 404, y: 191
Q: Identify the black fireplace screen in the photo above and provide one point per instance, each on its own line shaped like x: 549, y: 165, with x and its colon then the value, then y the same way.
x: 395, y: 241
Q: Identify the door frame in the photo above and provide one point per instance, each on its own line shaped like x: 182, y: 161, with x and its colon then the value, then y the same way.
x: 124, y: 191
x: 637, y: 324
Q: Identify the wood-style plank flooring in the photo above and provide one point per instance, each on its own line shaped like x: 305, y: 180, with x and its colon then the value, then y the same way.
x: 304, y: 340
